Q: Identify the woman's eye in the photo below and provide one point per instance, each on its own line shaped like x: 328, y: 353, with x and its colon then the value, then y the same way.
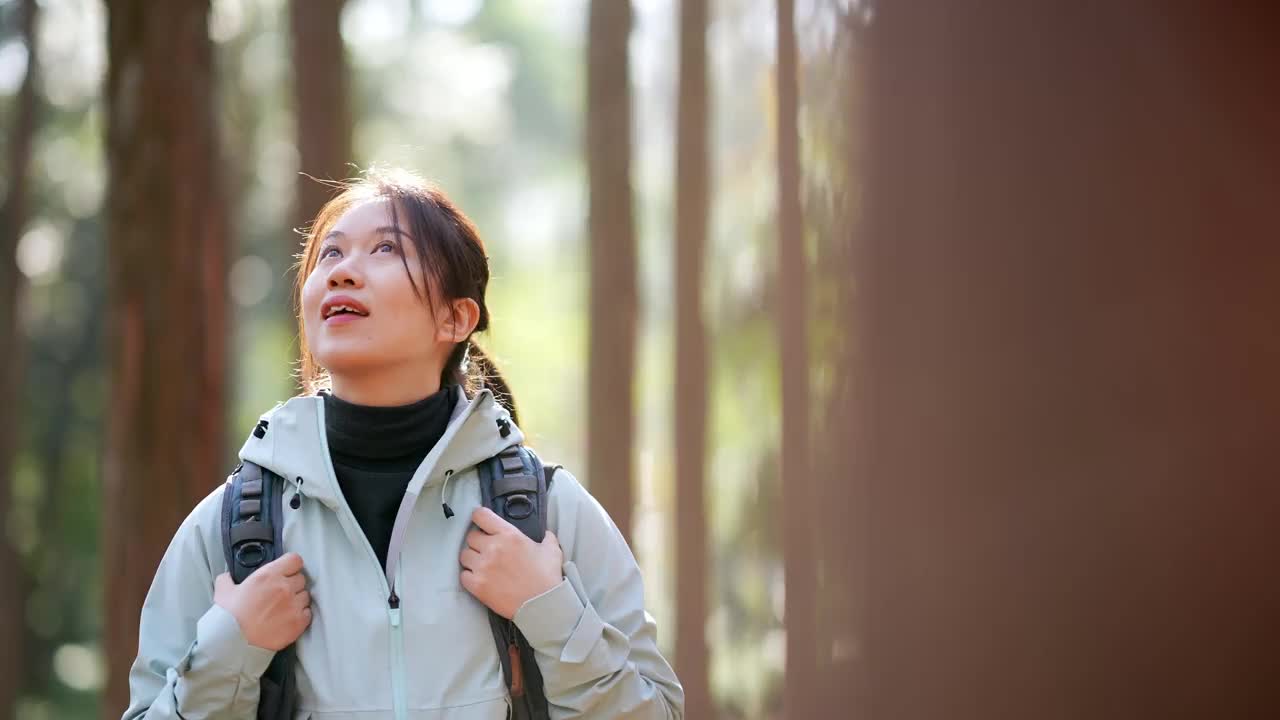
x: 329, y: 252
x: 386, y: 245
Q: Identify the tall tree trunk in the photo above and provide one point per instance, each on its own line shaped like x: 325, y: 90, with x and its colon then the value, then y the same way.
x: 800, y: 691
x: 838, y: 478
x: 167, y: 235
x: 611, y: 230
x: 13, y: 218
x: 692, y: 199
x: 322, y: 108
x: 1070, y: 323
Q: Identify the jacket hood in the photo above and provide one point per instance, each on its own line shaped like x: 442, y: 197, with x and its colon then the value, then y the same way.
x: 293, y: 443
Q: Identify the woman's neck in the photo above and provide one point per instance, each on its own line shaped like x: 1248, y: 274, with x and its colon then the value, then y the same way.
x: 386, y: 438
x: 385, y: 389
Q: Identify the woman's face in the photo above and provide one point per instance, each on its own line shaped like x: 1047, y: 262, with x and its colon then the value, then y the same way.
x: 360, y: 312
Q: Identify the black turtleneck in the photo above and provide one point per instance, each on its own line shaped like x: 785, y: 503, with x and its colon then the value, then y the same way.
x: 375, y: 451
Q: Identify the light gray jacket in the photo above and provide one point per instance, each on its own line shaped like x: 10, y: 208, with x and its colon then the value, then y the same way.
x: 434, y: 657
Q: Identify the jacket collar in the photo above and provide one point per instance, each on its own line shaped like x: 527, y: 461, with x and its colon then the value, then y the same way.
x: 293, y: 443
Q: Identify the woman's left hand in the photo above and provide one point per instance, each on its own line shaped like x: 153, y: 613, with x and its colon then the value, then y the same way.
x: 503, y: 568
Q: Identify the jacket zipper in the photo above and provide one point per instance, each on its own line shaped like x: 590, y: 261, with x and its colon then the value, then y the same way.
x: 399, y: 701
x: 394, y: 559
x: 394, y: 618
x: 348, y: 520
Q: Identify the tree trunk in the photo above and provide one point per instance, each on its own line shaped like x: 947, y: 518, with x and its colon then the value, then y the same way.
x: 321, y: 102
x: 167, y: 239
x: 13, y: 219
x: 613, y: 291
x: 838, y: 477
x: 801, y: 688
x: 1070, y: 323
x: 692, y: 199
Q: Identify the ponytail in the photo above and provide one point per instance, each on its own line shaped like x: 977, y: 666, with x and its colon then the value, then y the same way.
x: 473, y: 369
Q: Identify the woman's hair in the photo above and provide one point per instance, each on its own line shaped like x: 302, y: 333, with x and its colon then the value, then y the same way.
x: 454, y: 264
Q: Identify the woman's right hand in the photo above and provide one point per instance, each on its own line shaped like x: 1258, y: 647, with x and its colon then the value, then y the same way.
x: 272, y: 605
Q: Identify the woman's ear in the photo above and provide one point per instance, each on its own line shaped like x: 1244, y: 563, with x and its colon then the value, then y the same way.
x: 456, y: 322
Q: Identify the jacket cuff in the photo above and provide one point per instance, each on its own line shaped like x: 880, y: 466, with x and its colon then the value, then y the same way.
x: 560, y: 622
x: 220, y: 643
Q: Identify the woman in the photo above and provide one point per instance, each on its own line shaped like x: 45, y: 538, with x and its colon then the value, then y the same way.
x: 391, y: 288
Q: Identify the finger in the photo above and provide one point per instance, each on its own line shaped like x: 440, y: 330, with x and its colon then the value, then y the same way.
x: 470, y: 581
x: 306, y: 616
x: 469, y: 559
x: 551, y: 546
x: 303, y: 599
x: 478, y: 540
x: 296, y: 583
x: 287, y: 564
x: 488, y: 521
x: 223, y: 583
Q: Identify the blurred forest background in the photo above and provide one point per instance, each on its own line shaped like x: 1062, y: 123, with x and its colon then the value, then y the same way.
x: 622, y: 162
x: 925, y: 350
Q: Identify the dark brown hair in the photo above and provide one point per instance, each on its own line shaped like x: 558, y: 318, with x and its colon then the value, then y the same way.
x: 454, y: 264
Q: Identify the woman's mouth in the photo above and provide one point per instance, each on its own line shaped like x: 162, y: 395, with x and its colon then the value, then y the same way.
x: 342, y: 318
x: 342, y: 309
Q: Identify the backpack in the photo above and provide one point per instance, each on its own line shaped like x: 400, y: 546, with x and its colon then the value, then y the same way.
x: 513, y: 484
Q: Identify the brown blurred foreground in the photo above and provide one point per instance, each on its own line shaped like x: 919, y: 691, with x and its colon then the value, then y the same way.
x: 1069, y: 370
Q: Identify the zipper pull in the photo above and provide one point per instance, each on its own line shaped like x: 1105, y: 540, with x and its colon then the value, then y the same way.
x: 296, y: 501
x: 517, y: 670
x: 517, y: 664
x: 444, y: 495
x: 393, y: 611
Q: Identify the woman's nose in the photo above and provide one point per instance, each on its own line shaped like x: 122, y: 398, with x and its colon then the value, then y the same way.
x: 345, y: 274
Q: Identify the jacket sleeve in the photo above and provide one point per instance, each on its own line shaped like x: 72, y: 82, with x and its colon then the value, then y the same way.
x: 595, y: 644
x: 193, y: 661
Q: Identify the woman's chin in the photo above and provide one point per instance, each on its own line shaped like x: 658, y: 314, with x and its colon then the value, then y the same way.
x: 348, y: 361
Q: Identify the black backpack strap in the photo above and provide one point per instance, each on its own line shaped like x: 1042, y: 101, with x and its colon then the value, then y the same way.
x: 251, y: 514
x: 252, y: 527
x: 549, y: 472
x: 514, y: 485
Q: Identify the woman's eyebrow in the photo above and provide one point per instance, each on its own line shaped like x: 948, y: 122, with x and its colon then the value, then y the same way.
x: 389, y: 230
x: 384, y: 230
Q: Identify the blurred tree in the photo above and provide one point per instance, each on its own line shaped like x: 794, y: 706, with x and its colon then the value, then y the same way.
x: 692, y: 201
x: 261, y: 152
x: 613, y: 293
x: 800, y: 692
x: 844, y: 543
x: 13, y: 218
x: 322, y: 108
x: 1067, y: 324
x: 832, y: 166
x: 167, y: 238
x: 61, y: 414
